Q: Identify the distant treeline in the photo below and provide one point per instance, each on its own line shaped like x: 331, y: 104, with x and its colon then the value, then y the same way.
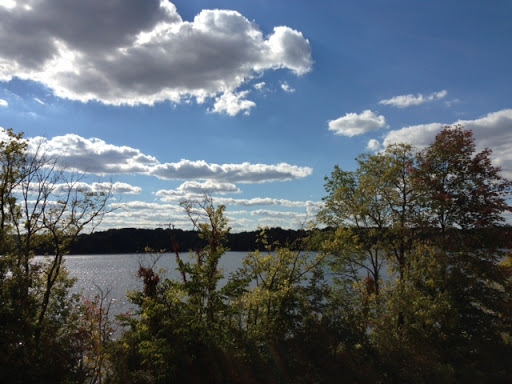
x: 132, y: 240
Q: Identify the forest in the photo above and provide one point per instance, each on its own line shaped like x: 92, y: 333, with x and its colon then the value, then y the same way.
x: 412, y: 282
x: 136, y: 240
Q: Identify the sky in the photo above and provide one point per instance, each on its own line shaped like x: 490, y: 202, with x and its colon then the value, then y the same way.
x: 252, y: 102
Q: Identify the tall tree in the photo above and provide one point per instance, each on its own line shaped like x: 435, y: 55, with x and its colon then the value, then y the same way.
x: 461, y: 188
x: 464, y: 199
x: 443, y: 311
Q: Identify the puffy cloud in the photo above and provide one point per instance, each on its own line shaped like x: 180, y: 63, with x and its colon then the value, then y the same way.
x: 233, y: 103
x: 259, y: 86
x: 404, y: 101
x: 142, y: 52
x: 353, y: 124
x: 3, y: 103
x: 94, y: 155
x: 494, y: 131
x: 373, y: 145
x: 417, y: 135
x: 490, y: 131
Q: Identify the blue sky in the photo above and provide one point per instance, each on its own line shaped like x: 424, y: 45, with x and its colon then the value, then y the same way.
x: 251, y: 101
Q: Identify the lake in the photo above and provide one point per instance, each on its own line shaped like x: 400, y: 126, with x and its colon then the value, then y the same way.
x: 118, y: 273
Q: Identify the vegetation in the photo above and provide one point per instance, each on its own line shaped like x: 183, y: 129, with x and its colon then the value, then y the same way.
x: 412, y: 284
x: 43, y: 337
x: 136, y: 240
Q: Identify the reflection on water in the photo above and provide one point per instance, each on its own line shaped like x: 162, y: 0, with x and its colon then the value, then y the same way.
x: 118, y: 273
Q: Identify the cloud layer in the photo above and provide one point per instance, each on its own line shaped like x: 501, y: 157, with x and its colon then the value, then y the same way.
x: 142, y: 52
x: 95, y: 156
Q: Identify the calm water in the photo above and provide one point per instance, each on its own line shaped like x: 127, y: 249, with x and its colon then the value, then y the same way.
x: 118, y: 273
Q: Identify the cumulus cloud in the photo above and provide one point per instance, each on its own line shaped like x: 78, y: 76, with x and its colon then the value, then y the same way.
x: 353, y: 124
x: 418, y: 135
x: 373, y: 145
x: 142, y: 52
x: 94, y: 155
x: 3, y: 103
x: 404, y: 101
x: 490, y: 131
x: 233, y: 103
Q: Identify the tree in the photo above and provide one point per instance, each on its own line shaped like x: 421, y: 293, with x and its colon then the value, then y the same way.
x: 373, y: 210
x: 434, y: 219
x: 179, y: 333
x: 464, y: 199
x: 40, y: 209
x: 278, y: 296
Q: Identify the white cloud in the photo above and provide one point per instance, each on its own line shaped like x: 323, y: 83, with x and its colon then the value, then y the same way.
x: 142, y: 52
x: 404, y: 101
x: 286, y: 87
x: 417, y: 135
x: 233, y: 103
x: 3, y: 103
x: 311, y: 207
x: 259, y: 86
x: 210, y: 187
x: 373, y: 145
x: 39, y: 101
x: 491, y: 131
x: 116, y: 188
x: 353, y: 124
x: 9, y: 4
x: 279, y: 214
x: 231, y: 173
x: 141, y: 214
x: 264, y: 201
x: 95, y: 156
